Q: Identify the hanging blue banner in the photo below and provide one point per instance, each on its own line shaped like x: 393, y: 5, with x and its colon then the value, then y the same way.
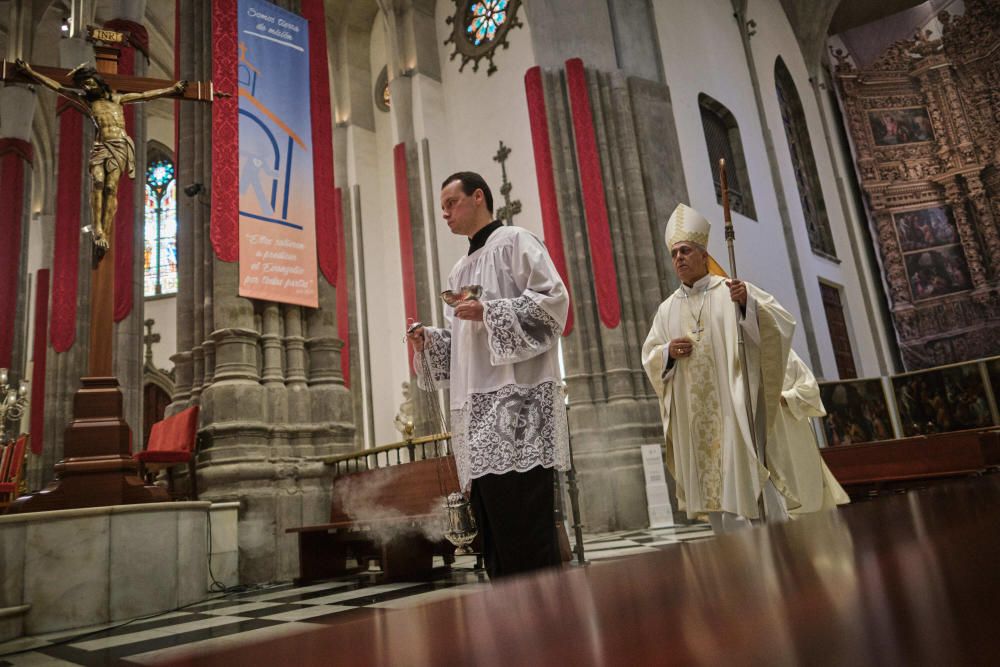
x: 277, y: 207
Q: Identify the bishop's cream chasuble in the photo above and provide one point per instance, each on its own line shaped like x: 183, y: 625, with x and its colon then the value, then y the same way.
x: 508, y: 409
x: 702, y: 401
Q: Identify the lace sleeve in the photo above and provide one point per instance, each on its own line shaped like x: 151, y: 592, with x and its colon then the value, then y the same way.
x: 433, y: 365
x: 518, y: 329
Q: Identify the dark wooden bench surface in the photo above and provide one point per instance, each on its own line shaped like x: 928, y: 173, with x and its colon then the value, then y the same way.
x: 378, y: 514
x: 896, y: 465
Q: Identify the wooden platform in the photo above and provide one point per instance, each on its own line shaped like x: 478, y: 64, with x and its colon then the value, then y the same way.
x: 903, y: 580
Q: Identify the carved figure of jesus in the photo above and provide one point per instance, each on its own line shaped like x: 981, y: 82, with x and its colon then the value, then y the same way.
x: 113, y: 152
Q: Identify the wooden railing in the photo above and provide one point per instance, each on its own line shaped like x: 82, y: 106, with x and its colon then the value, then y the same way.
x: 439, y: 444
x: 404, y: 451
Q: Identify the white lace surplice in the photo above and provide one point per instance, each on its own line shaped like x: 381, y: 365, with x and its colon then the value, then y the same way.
x: 507, y: 406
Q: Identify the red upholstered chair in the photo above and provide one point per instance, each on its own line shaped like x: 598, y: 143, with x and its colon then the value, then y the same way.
x: 6, y: 454
x: 172, y: 443
x: 11, y: 470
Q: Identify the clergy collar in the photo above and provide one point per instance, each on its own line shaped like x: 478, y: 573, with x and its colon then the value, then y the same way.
x: 700, y: 285
x: 478, y: 240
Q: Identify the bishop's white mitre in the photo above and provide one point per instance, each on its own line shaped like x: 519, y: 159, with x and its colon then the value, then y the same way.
x: 687, y: 224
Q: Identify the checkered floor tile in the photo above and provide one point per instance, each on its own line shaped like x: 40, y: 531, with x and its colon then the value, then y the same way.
x: 271, y: 611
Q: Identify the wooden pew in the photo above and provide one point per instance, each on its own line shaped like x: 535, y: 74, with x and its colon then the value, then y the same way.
x: 874, y: 468
x: 990, y: 442
x: 378, y: 514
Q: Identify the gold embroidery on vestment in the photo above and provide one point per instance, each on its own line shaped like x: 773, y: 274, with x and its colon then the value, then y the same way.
x: 706, y: 423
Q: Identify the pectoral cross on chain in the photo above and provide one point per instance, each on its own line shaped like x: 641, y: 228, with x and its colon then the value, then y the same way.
x: 696, y: 331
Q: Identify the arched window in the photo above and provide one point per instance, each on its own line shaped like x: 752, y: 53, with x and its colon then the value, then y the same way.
x: 160, y: 243
x: 803, y: 162
x: 722, y: 136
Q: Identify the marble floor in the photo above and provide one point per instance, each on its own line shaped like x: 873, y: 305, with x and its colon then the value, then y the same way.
x: 271, y: 611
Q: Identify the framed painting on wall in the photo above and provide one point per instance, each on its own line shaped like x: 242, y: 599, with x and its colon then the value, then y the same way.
x: 951, y: 398
x: 892, y: 127
x: 937, y: 272
x: 856, y: 411
x: 925, y: 228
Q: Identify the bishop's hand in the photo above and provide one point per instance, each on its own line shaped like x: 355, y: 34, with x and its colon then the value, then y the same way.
x: 680, y: 348
x: 738, y: 292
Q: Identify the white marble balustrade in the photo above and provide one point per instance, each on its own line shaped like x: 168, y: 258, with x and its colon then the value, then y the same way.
x: 81, y: 567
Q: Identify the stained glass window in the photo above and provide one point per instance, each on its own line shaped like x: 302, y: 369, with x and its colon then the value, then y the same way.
x: 483, y: 20
x: 803, y: 162
x: 722, y: 137
x: 479, y: 28
x: 160, y: 249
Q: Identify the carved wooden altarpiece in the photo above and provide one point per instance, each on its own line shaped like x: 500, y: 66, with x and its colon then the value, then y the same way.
x: 925, y: 123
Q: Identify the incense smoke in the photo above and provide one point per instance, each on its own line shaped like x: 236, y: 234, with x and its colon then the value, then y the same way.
x: 359, y: 497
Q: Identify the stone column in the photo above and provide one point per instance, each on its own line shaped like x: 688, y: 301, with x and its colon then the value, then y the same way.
x: 64, y: 369
x: 189, y: 253
x: 272, y: 374
x: 128, y: 15
x: 357, y: 325
x: 329, y: 400
x: 272, y: 400
x: 612, y: 407
x: 17, y: 110
x: 299, y: 408
x: 408, y: 31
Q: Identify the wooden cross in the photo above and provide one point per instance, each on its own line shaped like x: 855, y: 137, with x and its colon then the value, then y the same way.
x: 98, y: 468
x: 197, y: 91
x: 510, y: 208
x: 107, y: 45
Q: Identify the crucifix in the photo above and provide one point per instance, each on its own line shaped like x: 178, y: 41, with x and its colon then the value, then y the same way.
x: 98, y: 468
x: 510, y: 208
x: 149, y: 340
x: 101, y: 93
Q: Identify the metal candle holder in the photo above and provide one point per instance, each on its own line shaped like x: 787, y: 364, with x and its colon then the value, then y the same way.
x: 13, y: 402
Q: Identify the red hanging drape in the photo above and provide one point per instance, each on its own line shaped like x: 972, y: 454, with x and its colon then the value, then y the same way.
x: 39, y: 358
x: 66, y: 257
x: 551, y: 225
x: 343, y: 298
x: 14, y: 153
x: 124, y: 232
x: 405, y: 235
x: 225, y: 134
x: 327, y: 236
x: 594, y: 203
